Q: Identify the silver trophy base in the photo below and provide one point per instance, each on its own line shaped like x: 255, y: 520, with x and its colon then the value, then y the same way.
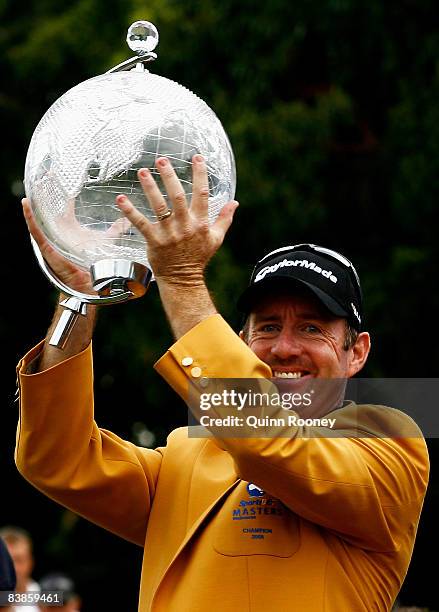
x: 115, y: 280
x: 112, y: 277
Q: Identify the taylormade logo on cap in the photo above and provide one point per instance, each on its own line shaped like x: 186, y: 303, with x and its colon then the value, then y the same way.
x: 303, y: 263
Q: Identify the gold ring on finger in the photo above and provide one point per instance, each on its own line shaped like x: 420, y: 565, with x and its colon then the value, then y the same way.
x: 164, y: 216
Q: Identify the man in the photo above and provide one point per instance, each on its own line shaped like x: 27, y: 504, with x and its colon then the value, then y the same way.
x: 335, y: 518
x: 60, y: 583
x: 19, y: 544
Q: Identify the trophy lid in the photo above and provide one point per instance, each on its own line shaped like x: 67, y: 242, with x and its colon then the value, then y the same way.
x: 142, y: 37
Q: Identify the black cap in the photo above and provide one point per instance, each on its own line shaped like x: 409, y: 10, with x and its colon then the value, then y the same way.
x: 328, y: 274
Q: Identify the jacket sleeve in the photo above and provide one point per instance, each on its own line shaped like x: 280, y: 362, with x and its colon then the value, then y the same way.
x: 63, y: 453
x: 367, y: 490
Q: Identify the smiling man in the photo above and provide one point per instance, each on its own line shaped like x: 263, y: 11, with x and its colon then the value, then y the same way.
x: 304, y: 313
x: 299, y: 522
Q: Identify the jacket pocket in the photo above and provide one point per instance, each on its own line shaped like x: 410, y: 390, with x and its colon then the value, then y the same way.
x: 261, y: 525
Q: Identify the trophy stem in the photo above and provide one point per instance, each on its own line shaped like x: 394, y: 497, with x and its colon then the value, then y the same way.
x: 73, y: 308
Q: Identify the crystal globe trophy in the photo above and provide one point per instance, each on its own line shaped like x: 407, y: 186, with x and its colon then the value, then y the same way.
x: 87, y: 149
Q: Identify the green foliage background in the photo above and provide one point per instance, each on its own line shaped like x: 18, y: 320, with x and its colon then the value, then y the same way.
x: 331, y: 108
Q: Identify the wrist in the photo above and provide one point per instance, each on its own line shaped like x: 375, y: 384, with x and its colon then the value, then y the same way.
x: 79, y: 338
x: 181, y: 279
x: 185, y: 304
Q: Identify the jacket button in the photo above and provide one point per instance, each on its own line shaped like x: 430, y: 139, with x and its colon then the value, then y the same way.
x: 196, y: 372
x: 204, y: 382
x: 187, y: 361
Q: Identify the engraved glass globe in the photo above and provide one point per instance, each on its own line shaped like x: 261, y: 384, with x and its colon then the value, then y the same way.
x: 90, y: 144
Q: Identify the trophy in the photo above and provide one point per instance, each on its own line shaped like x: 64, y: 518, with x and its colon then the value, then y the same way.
x: 87, y: 149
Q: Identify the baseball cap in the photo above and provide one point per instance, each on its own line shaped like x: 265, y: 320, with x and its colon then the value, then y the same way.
x: 329, y: 275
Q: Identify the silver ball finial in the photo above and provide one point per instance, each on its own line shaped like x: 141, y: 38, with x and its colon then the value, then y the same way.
x: 142, y: 37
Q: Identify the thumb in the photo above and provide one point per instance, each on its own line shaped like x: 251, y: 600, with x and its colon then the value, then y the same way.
x: 225, y: 218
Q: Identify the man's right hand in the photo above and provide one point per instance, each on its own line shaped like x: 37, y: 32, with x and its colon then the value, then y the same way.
x: 67, y: 272
x: 75, y: 278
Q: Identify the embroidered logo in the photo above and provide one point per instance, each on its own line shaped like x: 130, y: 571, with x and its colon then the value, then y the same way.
x: 302, y: 263
x: 254, y: 491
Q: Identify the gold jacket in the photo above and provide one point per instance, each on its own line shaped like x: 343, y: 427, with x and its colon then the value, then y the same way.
x: 338, y: 524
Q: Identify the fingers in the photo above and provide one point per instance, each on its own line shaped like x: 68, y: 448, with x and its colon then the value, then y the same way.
x: 69, y: 212
x: 225, y: 219
x: 57, y: 262
x: 152, y: 192
x: 135, y: 217
x: 199, y: 205
x: 32, y: 226
x: 174, y: 188
x: 118, y: 228
x: 200, y: 188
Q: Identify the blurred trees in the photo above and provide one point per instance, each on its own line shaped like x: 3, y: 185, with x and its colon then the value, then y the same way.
x: 331, y: 108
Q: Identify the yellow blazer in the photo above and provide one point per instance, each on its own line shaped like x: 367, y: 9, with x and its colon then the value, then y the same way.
x: 331, y: 527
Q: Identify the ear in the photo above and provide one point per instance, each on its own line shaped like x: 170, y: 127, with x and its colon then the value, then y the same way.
x: 358, y: 354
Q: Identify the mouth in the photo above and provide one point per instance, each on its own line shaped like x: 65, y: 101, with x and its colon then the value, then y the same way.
x: 291, y: 374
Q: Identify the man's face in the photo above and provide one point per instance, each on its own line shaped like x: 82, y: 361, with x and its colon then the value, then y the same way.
x: 23, y: 561
x: 297, y: 336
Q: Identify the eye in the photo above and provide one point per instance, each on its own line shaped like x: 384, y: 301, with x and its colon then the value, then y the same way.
x: 269, y: 327
x: 310, y: 328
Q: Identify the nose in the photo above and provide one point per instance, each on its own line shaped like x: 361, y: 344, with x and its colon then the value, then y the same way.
x: 286, y: 345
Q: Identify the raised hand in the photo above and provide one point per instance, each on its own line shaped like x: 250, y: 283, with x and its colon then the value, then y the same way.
x: 71, y: 275
x: 179, y: 245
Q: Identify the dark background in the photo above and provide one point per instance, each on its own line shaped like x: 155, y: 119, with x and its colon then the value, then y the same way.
x: 331, y: 108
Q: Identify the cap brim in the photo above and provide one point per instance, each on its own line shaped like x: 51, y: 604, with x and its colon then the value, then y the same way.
x: 255, y: 292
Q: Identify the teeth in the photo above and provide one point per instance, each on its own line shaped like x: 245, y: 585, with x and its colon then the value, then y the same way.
x: 287, y: 374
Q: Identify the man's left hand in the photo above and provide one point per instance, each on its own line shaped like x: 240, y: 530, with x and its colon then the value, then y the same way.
x: 179, y: 246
